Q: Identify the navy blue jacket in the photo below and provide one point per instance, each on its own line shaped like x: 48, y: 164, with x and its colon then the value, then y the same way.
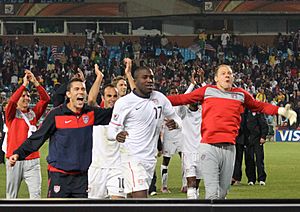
x: 70, y: 145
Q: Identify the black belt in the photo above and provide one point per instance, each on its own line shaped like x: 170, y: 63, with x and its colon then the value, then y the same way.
x: 222, y: 145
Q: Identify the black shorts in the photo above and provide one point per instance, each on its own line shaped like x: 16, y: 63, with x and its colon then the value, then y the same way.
x: 67, y: 185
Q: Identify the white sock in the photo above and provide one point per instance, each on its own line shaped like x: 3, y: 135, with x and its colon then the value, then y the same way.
x: 164, y: 176
x: 191, y: 193
x: 198, y: 193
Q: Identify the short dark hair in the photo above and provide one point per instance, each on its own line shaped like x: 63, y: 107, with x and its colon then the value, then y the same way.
x: 75, y: 79
x: 139, y: 69
x: 109, y: 85
x: 173, y: 87
x: 115, y: 80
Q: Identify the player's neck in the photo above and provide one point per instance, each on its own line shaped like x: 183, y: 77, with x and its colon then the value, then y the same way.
x: 140, y: 94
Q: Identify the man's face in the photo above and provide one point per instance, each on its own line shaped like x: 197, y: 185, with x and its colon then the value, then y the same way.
x: 24, y: 101
x: 110, y: 97
x: 122, y: 87
x: 144, y: 82
x: 77, y: 96
x: 224, y: 78
x: 173, y: 92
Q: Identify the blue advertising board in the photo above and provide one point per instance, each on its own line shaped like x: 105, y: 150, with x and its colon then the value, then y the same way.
x: 287, y: 135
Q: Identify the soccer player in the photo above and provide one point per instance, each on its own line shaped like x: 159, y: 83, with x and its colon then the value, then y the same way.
x: 172, y: 144
x: 191, y: 124
x: 21, y: 122
x: 70, y: 129
x: 136, y: 122
x: 104, y: 175
x: 221, y: 108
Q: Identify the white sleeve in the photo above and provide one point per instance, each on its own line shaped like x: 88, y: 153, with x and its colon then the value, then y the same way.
x: 190, y: 88
x: 116, y: 123
x: 169, y: 112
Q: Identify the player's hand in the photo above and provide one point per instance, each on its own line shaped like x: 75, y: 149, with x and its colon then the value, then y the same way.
x: 31, y: 77
x: 288, y: 113
x: 193, y: 81
x: 171, y: 124
x: 98, y: 71
x: 159, y: 153
x: 128, y: 65
x: 79, y: 75
x: 262, y: 141
x: 13, y: 159
x: 121, y: 137
x: 25, y: 80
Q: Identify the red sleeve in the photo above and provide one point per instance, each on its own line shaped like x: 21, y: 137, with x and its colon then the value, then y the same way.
x: 11, y: 107
x: 258, y: 106
x: 42, y: 104
x: 102, y: 103
x: 183, y: 99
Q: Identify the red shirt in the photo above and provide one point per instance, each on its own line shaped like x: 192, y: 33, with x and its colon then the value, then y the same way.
x: 17, y: 127
x: 221, y: 111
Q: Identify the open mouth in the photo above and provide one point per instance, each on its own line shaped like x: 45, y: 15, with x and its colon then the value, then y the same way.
x: 80, y: 99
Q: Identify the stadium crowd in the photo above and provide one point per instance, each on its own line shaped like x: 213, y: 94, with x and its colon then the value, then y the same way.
x: 270, y: 72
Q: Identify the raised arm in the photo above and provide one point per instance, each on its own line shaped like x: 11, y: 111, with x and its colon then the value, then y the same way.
x: 128, y: 68
x: 42, y: 104
x: 11, y: 108
x: 95, y: 88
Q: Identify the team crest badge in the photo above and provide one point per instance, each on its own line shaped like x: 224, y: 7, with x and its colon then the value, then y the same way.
x: 155, y: 101
x: 85, y: 119
x: 56, y: 188
x: 234, y: 95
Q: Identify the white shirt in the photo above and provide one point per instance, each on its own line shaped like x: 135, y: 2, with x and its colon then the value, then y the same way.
x: 105, y: 153
x: 191, y: 129
x: 172, y: 135
x: 141, y: 118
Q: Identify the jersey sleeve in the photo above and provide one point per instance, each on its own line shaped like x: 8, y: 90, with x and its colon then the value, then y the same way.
x: 257, y: 106
x: 188, y: 98
x: 169, y: 112
x: 116, y: 123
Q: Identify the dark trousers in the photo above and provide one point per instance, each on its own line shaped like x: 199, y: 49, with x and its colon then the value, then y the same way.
x: 237, y: 172
x: 254, y: 159
x: 67, y: 185
x: 1, y: 152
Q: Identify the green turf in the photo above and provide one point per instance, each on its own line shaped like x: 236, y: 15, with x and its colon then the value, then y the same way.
x: 282, y: 166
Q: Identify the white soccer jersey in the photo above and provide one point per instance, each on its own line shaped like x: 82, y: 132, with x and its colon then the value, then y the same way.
x: 191, y: 124
x: 141, y: 118
x: 172, y: 135
x: 105, y: 153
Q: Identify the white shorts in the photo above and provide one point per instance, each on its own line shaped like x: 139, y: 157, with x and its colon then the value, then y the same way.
x: 105, y: 182
x: 137, y: 175
x: 191, y: 165
x: 171, y: 147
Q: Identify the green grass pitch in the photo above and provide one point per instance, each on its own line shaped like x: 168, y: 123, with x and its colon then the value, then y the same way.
x: 282, y: 163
